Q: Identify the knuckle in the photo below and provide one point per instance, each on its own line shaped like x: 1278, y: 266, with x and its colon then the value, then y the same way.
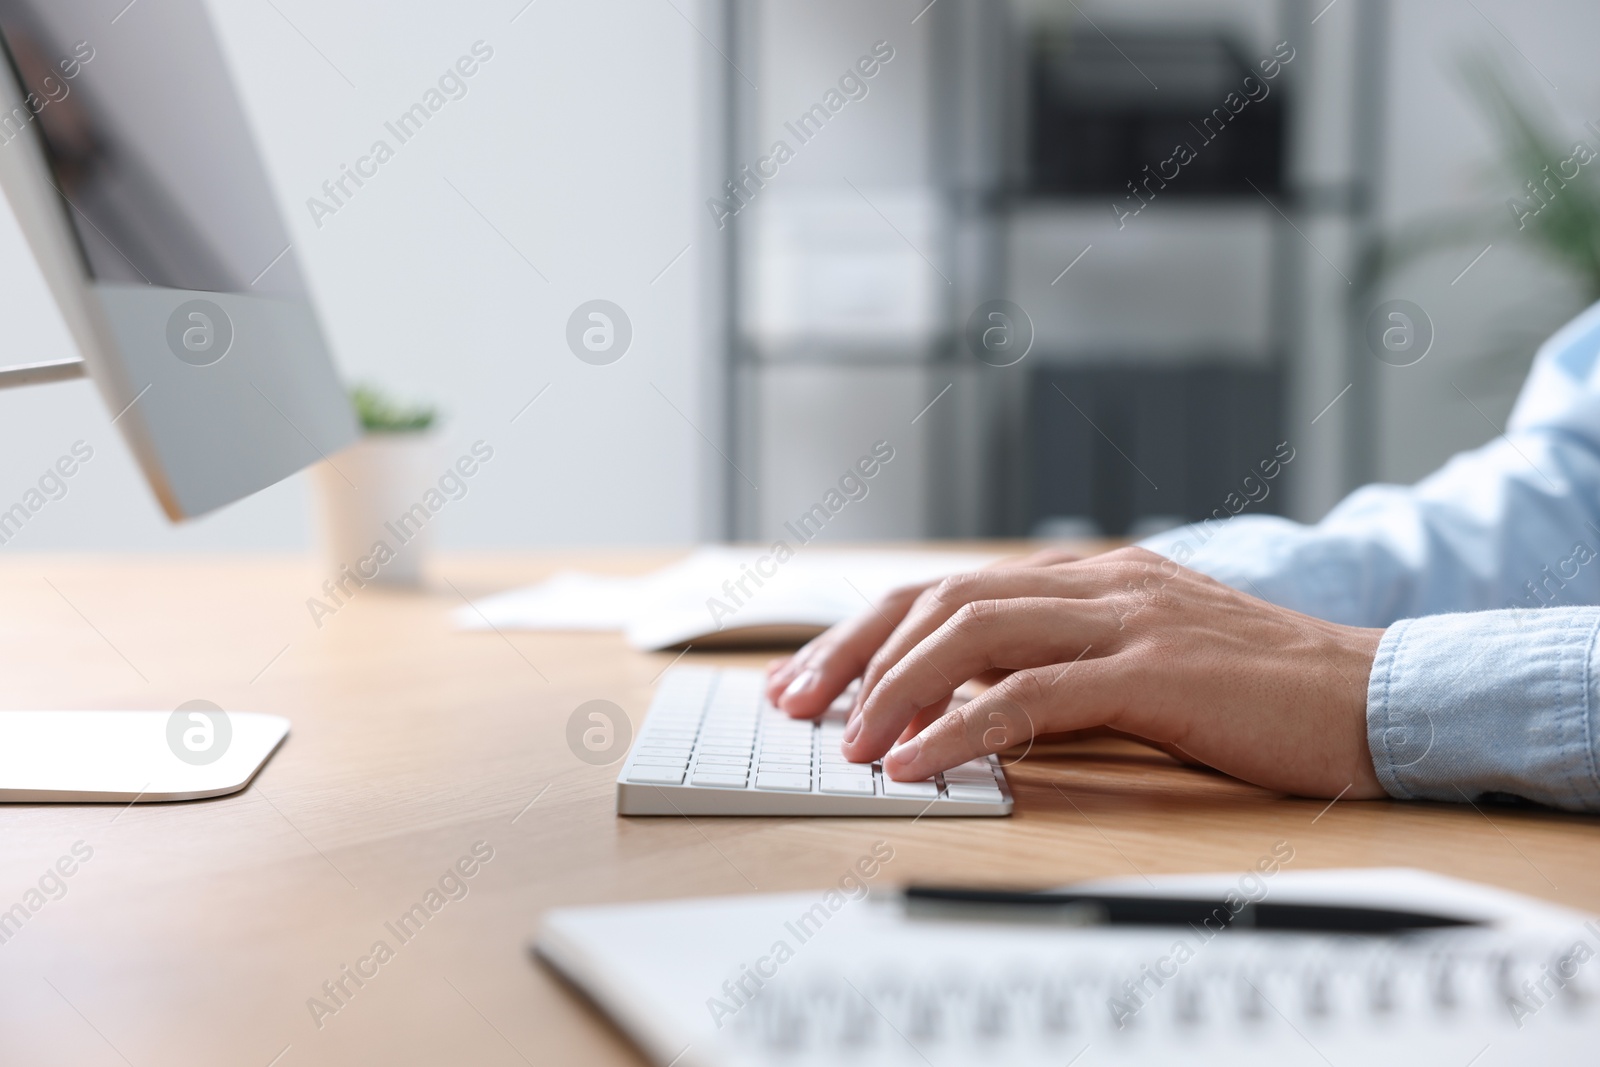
x: 956, y: 589
x: 975, y: 615
x: 925, y: 601
x: 1027, y: 689
x: 1140, y: 573
x: 1134, y: 560
x: 1131, y: 570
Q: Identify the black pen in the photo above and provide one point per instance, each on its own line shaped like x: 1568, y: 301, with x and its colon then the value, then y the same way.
x: 1109, y: 909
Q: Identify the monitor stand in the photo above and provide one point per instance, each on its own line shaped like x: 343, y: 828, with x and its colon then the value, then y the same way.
x: 77, y: 757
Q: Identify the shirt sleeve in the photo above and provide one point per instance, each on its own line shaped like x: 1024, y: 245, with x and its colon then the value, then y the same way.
x: 1464, y: 706
x: 1514, y: 524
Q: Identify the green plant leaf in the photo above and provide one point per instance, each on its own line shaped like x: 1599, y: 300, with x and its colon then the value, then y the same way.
x: 380, y: 413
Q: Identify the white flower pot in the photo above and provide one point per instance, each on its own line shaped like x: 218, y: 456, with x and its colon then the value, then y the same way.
x: 374, y: 528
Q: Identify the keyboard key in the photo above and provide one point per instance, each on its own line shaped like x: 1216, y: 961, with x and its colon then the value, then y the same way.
x: 719, y: 780
x: 864, y: 769
x: 656, y: 775
x: 982, y: 766
x: 723, y: 761
x: 784, y: 756
x: 918, y: 790
x: 988, y: 794
x: 664, y: 750
x: 788, y: 783
x: 679, y: 762
x: 968, y: 779
x: 859, y: 785
x: 791, y: 750
x: 724, y: 750
x: 782, y: 768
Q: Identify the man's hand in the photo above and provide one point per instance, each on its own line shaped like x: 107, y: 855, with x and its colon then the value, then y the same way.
x: 1128, y: 640
x: 806, y: 683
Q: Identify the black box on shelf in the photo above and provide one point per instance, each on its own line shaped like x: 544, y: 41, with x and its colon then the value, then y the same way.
x: 1188, y: 114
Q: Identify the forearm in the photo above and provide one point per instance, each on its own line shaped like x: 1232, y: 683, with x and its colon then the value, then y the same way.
x: 1496, y: 702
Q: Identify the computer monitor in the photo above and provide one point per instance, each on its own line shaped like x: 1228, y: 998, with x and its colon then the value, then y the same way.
x: 127, y: 159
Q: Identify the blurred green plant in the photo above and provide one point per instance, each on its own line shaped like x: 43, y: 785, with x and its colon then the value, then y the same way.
x: 1553, y: 215
x: 380, y: 413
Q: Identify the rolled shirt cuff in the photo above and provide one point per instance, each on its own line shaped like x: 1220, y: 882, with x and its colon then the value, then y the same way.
x: 1465, y: 706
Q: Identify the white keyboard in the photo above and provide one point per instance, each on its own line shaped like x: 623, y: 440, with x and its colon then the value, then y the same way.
x: 712, y: 745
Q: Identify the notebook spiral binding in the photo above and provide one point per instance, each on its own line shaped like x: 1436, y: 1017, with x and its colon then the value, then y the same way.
x: 1330, y: 986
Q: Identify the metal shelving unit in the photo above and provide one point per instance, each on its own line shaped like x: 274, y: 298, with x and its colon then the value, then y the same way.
x: 982, y: 467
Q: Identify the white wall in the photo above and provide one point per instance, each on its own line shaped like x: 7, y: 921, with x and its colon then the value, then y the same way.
x: 1436, y: 154
x: 583, y: 140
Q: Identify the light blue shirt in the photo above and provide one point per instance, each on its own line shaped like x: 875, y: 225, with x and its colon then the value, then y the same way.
x: 1486, y: 575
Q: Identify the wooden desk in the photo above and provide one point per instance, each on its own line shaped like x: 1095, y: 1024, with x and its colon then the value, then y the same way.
x: 196, y: 932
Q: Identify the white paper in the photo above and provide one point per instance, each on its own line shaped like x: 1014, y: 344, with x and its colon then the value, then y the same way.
x: 714, y: 590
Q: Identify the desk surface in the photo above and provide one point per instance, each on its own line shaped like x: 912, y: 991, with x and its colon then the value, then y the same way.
x: 196, y: 932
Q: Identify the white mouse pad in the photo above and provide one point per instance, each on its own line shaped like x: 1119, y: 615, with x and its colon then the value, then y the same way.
x: 196, y: 751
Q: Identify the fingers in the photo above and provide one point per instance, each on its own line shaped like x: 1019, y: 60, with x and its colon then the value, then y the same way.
x: 810, y: 680
x: 939, y: 604
x: 1062, y: 696
x: 1012, y: 634
x: 923, y: 719
x: 784, y: 671
x: 806, y: 683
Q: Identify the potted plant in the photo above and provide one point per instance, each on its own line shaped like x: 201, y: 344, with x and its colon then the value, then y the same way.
x: 375, y: 525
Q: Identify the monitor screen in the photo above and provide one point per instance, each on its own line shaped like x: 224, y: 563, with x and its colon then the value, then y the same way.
x: 162, y: 182
x: 128, y: 162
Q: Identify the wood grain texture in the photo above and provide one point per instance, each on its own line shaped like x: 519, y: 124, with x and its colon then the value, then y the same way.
x: 197, y: 931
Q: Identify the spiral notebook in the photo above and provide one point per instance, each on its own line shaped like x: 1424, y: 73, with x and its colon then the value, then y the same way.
x: 825, y: 978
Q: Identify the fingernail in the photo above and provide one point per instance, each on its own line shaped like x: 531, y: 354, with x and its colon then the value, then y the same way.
x: 806, y: 680
x: 906, y: 752
x: 852, y: 728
